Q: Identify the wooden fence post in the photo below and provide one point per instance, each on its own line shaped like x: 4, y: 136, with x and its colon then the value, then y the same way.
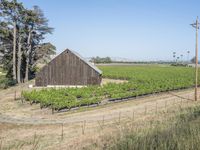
x: 133, y: 117
x: 83, y: 127
x: 15, y: 96
x: 156, y: 107
x: 22, y: 100
x: 62, y: 132
x: 145, y: 110
x: 103, y: 121
x: 181, y: 102
x: 52, y: 110
x: 119, y: 117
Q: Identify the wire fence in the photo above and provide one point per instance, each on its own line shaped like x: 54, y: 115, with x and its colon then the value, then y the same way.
x: 119, y: 118
x: 134, y: 115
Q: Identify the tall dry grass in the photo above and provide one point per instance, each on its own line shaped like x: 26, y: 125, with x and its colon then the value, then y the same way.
x: 180, y: 132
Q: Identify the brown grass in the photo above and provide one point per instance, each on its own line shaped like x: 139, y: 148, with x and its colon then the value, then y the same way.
x: 40, y: 129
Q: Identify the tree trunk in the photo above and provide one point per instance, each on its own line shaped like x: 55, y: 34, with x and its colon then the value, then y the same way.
x: 14, y: 51
x: 28, y: 58
x: 19, y: 61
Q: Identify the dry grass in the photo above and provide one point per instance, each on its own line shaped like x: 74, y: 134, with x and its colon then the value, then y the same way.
x: 106, y: 81
x: 103, y: 121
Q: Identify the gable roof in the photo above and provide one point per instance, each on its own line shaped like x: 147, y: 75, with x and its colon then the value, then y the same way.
x: 85, y: 61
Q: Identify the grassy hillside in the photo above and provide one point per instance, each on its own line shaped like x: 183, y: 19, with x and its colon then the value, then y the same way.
x: 180, y: 132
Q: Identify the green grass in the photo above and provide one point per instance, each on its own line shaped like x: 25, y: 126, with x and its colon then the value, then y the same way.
x: 141, y: 80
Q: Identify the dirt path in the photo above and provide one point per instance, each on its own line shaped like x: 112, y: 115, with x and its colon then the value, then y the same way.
x: 19, y: 122
x: 16, y: 112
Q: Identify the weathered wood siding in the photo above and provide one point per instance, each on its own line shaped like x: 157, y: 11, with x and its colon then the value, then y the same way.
x: 67, y: 69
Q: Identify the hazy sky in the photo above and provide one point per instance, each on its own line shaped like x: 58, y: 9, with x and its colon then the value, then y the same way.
x: 138, y: 30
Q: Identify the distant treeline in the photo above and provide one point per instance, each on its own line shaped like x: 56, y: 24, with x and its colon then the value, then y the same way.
x: 101, y: 60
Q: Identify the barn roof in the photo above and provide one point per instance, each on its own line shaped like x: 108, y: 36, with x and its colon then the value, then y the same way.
x: 84, y: 60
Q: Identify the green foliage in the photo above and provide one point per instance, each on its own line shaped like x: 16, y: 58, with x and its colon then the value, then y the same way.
x: 64, y: 98
x: 179, y: 64
x: 6, y: 82
x: 101, y: 60
x: 22, y: 32
x: 141, y: 80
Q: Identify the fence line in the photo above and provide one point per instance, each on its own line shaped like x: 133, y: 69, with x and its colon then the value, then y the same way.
x: 134, y: 115
x: 130, y: 116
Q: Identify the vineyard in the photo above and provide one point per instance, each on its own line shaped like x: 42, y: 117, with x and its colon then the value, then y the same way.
x: 142, y: 80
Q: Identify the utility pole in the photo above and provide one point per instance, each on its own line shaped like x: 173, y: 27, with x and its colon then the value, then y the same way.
x: 196, y: 26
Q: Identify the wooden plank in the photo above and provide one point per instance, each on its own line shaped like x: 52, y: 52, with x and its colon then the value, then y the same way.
x: 67, y: 69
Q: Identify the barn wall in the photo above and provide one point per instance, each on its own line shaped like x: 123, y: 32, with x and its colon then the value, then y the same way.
x: 67, y: 69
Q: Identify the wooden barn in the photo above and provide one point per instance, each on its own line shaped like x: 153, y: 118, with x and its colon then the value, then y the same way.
x: 68, y: 68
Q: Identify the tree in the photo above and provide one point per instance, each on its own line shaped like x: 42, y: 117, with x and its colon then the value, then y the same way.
x: 44, y: 52
x: 37, y: 27
x: 21, y: 34
x: 101, y: 60
x: 181, y: 57
x: 193, y: 60
x: 174, y: 55
x: 188, y: 53
x: 6, y: 38
x: 11, y: 11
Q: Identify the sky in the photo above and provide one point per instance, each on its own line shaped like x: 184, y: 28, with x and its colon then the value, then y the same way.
x: 141, y: 30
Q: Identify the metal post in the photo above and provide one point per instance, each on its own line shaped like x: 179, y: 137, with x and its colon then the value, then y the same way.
x: 196, y: 25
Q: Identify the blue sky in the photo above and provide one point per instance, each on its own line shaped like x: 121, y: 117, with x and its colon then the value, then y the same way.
x: 137, y: 30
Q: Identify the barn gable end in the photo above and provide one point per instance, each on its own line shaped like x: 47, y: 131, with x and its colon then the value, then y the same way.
x: 68, y: 68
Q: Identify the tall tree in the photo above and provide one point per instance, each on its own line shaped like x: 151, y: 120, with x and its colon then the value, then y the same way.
x: 37, y: 27
x: 21, y: 34
x: 11, y: 11
x: 6, y: 38
x: 19, y: 59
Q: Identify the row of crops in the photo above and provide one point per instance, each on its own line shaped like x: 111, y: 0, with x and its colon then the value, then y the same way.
x: 141, y: 80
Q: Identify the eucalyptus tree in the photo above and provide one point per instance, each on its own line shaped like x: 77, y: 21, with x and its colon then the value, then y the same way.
x: 21, y: 34
x: 11, y: 11
x: 43, y: 53
x: 6, y: 39
x: 21, y: 47
x: 36, y: 27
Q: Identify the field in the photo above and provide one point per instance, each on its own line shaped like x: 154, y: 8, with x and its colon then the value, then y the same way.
x: 142, y: 80
x: 24, y: 126
x: 181, y: 131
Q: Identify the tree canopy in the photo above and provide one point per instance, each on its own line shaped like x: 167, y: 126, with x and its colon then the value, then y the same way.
x: 22, y: 31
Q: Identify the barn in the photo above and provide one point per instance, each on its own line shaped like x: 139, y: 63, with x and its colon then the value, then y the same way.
x: 68, y: 68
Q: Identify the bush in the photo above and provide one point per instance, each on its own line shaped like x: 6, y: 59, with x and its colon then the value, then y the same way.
x: 179, y: 65
x: 6, y: 82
